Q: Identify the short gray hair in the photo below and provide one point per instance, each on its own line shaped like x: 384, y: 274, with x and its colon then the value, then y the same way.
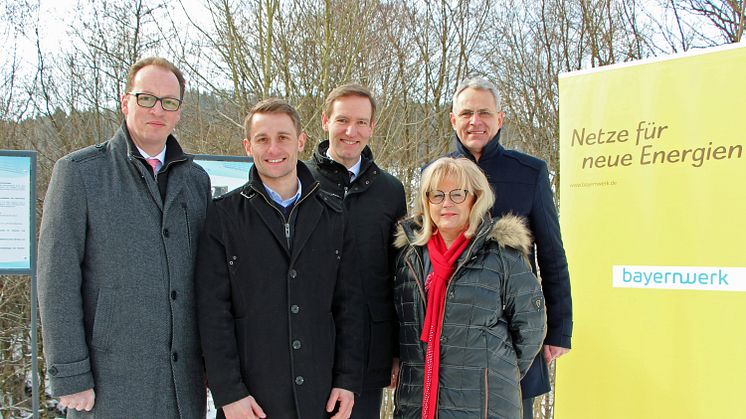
x: 479, y: 83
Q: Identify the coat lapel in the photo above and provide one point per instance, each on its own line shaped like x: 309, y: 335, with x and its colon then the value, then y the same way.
x: 305, y: 224
x: 270, y: 215
x: 175, y: 185
x: 150, y: 183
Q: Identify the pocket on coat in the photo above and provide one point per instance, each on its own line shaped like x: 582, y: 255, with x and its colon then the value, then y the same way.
x: 381, y: 339
x: 102, y: 320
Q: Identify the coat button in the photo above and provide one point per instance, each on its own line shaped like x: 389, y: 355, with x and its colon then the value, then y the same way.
x: 165, y: 233
x: 173, y: 295
x: 175, y: 356
x: 52, y: 370
x: 299, y: 380
x: 293, y: 273
x: 294, y: 309
x: 296, y: 344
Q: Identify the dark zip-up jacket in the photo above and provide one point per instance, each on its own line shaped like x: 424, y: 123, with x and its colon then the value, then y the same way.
x: 521, y: 186
x: 280, y: 311
x: 493, y: 323
x: 374, y: 202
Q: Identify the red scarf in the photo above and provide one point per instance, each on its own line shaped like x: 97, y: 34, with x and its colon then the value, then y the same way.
x: 443, y: 260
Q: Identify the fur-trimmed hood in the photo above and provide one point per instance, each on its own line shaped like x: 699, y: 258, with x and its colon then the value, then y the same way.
x: 507, y: 231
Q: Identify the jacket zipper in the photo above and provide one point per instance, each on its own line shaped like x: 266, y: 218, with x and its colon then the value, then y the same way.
x: 174, y: 161
x: 286, y: 221
x: 416, y: 277
x: 486, y: 393
x: 458, y: 268
x: 463, y: 262
x: 155, y: 175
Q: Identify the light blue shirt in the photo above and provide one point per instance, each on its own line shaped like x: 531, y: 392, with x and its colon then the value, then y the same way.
x: 278, y: 199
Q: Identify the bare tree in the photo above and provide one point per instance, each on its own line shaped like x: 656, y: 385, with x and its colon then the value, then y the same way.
x: 725, y: 16
x: 410, y: 53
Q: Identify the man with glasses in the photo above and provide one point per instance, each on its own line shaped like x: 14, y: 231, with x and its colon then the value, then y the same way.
x: 521, y: 184
x: 116, y: 252
x: 374, y: 202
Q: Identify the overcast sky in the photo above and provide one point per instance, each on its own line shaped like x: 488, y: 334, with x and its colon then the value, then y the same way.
x: 54, y: 18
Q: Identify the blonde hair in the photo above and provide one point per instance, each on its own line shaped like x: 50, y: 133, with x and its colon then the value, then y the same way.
x: 463, y: 172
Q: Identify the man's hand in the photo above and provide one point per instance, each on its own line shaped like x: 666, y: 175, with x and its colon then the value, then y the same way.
x: 394, y: 373
x: 346, y: 399
x: 79, y: 401
x: 553, y: 352
x: 246, y: 408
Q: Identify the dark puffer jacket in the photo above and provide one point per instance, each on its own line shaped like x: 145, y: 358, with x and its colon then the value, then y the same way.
x: 493, y: 323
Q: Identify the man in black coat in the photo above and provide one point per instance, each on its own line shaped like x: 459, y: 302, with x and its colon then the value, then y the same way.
x: 279, y: 304
x: 521, y: 185
x: 374, y: 201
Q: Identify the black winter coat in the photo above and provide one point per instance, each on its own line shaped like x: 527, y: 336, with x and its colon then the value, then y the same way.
x: 493, y: 324
x: 521, y: 186
x: 279, y: 308
x: 374, y: 202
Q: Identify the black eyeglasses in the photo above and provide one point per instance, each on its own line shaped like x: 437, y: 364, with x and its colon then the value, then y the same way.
x: 146, y: 100
x: 456, y: 196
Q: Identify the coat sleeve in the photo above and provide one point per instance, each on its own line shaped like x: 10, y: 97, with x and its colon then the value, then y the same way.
x: 555, y: 277
x: 214, y: 313
x: 401, y: 213
x: 523, y: 308
x: 347, y: 310
x: 62, y: 242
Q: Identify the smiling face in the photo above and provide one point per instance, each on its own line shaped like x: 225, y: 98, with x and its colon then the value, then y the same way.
x: 475, y: 119
x: 451, y: 219
x: 274, y: 144
x: 150, y: 127
x: 349, y: 127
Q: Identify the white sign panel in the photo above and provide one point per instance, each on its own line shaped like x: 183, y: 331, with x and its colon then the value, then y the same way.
x: 226, y: 172
x: 16, y: 212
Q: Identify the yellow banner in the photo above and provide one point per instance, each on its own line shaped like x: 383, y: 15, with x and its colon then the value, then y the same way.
x: 653, y: 214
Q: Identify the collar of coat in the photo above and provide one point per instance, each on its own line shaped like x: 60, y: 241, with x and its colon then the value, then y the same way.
x: 507, y: 231
x: 309, y: 185
x: 122, y: 143
x: 323, y: 161
x: 491, y: 149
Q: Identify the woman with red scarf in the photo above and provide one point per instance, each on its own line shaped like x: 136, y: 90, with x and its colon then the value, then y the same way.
x: 471, y: 312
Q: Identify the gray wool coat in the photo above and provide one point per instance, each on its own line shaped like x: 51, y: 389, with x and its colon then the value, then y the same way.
x: 115, y: 281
